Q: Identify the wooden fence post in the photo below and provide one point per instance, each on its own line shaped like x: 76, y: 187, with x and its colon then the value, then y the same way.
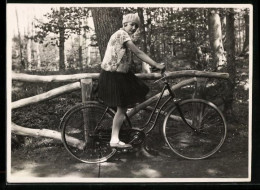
x: 86, y: 89
x: 200, y: 87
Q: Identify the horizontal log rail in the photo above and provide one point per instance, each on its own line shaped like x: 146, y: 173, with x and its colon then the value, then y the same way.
x: 46, y: 95
x: 24, y: 131
x: 144, y: 76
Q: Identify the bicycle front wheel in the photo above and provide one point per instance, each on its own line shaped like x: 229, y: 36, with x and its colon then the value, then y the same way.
x: 201, y: 135
x: 86, y: 130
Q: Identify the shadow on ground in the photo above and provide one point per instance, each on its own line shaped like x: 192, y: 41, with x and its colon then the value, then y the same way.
x: 231, y: 161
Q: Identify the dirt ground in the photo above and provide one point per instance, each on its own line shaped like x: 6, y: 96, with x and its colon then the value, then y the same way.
x: 52, y: 161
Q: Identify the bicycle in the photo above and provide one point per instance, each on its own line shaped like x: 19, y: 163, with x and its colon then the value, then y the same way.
x: 193, y: 128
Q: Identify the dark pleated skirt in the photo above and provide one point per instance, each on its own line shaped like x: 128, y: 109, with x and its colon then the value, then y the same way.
x: 121, y: 89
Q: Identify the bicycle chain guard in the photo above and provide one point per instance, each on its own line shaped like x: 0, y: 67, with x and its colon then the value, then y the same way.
x: 135, y: 137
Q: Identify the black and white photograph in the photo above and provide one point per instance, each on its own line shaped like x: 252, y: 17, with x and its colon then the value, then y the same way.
x: 129, y: 93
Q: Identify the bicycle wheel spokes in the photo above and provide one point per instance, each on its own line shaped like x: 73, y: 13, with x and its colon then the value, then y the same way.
x: 206, y: 135
x: 86, y: 132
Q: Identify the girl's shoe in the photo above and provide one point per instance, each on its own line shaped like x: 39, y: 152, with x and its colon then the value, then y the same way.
x: 120, y: 144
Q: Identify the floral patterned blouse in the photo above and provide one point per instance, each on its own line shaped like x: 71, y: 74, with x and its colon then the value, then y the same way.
x: 117, y: 56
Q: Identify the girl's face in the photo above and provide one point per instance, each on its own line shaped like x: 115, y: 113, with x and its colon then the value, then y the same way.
x: 130, y: 27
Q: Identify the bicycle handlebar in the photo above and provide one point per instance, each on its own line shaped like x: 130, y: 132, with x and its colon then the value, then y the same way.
x: 163, y: 76
x: 162, y: 71
x: 154, y: 69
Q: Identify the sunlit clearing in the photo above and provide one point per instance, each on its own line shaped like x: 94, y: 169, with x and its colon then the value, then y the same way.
x: 147, y: 172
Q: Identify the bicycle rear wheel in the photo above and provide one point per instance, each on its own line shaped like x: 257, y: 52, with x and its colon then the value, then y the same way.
x: 86, y: 131
x: 206, y: 134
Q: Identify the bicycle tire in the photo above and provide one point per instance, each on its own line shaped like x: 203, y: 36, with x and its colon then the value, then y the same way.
x: 206, y: 118
x: 94, y: 146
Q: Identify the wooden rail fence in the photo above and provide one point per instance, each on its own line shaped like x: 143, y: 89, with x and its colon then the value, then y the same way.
x: 84, y: 82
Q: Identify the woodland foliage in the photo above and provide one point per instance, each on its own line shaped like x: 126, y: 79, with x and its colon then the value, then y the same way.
x: 67, y: 40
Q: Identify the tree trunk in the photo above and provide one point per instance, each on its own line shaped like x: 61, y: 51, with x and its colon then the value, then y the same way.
x: 239, y: 37
x: 38, y: 55
x: 65, y: 59
x: 20, y: 43
x: 215, y: 36
x: 223, y: 25
x: 145, y: 67
x: 196, y: 53
x: 157, y: 46
x: 106, y: 21
x: 29, y: 47
x: 231, y: 67
x: 142, y: 29
x: 80, y: 54
x: 87, y: 48
x: 149, y: 30
x: 246, y: 42
x: 62, y: 39
x: 80, y: 49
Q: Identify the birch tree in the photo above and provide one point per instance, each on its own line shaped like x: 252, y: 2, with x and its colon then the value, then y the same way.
x: 20, y: 43
x: 246, y: 42
x: 215, y: 37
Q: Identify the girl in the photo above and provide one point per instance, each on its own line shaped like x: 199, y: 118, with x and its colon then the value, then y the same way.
x: 118, y: 87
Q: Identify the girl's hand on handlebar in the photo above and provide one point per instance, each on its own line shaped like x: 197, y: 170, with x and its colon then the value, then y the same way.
x: 160, y: 66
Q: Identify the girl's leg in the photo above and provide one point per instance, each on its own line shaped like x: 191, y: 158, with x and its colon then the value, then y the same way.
x: 117, y: 123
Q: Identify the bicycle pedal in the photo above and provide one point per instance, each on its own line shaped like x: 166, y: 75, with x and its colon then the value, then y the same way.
x: 123, y: 150
x: 176, y: 100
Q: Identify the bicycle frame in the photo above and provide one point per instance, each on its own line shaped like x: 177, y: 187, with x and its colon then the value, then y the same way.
x: 171, y: 98
x: 149, y: 121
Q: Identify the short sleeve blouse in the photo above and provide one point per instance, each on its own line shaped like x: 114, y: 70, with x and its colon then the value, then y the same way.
x: 116, y: 57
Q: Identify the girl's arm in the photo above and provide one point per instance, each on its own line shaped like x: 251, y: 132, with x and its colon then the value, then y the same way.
x: 140, y: 54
